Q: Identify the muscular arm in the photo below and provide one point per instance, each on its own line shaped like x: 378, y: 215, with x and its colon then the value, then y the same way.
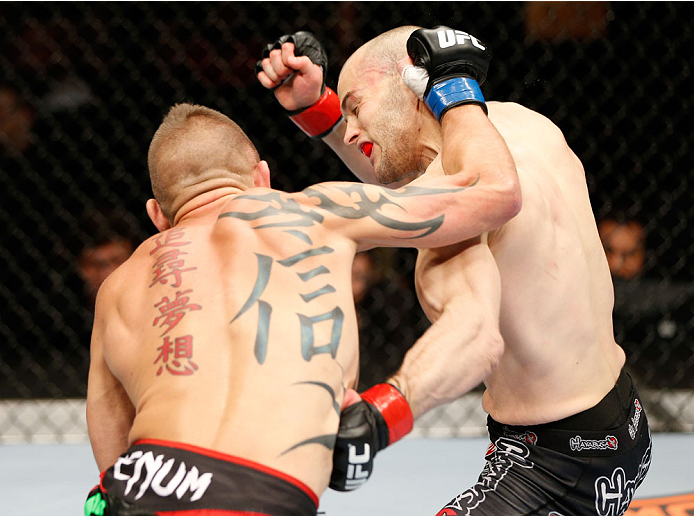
x: 463, y: 345
x: 458, y: 351
x: 109, y: 411
x: 435, y: 210
x: 480, y: 174
x: 471, y: 143
x: 472, y: 146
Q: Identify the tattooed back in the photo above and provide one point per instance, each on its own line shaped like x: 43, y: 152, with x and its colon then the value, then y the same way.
x: 224, y: 327
x: 235, y: 330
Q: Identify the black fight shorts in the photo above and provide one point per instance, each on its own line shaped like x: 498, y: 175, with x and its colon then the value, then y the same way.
x: 587, y: 464
x: 161, y: 478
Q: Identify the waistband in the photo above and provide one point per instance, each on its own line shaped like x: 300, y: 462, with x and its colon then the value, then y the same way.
x: 235, y: 460
x: 167, y: 475
x: 587, y: 433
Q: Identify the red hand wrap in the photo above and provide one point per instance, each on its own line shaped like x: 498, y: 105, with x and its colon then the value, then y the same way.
x: 319, y: 119
x: 393, y: 407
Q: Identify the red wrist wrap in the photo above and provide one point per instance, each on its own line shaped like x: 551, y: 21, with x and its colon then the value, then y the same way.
x: 318, y: 120
x: 394, y: 408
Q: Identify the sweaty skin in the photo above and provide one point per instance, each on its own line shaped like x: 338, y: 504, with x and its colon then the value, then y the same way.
x: 526, y: 308
x: 235, y: 330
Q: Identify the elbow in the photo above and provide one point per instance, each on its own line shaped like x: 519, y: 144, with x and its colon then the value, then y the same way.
x: 508, y: 200
x: 510, y: 189
x: 512, y: 199
x: 499, y: 191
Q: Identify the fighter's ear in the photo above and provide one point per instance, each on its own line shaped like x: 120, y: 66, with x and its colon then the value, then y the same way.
x: 405, y: 61
x: 416, y: 78
x: 157, y: 216
x: 261, y: 175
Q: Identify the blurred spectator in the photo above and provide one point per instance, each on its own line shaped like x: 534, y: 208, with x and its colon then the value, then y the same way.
x: 16, y: 119
x: 100, y: 259
x: 389, y: 316
x: 625, y: 246
x: 103, y: 240
x: 652, y: 315
x: 47, y: 333
x: 107, y: 239
x: 363, y: 276
x: 47, y: 50
x: 559, y: 21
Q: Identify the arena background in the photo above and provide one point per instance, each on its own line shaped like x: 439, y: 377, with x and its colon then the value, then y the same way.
x: 90, y: 82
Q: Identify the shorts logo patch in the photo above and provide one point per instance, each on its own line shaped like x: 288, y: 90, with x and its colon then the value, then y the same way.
x: 527, y: 436
x: 507, y: 454
x: 579, y: 444
x: 613, y: 494
x: 95, y: 505
x: 634, y: 422
x: 142, y: 472
x: 490, y: 449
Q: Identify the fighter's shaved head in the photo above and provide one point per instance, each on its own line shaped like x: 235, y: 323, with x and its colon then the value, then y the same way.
x: 384, y: 51
x: 194, y: 145
x: 380, y: 109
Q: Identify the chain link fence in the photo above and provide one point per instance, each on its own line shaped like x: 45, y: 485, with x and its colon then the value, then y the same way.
x: 83, y: 87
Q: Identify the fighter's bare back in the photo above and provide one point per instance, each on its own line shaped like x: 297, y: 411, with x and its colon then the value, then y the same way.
x: 241, y: 316
x: 237, y: 328
x: 216, y: 357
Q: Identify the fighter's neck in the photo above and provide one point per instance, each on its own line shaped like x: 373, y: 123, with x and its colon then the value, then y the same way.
x: 202, y: 204
x: 430, y: 145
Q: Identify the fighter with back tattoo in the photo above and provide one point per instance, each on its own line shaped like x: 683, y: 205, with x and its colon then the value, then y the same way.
x: 223, y: 348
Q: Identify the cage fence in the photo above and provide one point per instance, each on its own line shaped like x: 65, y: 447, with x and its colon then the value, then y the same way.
x: 84, y: 85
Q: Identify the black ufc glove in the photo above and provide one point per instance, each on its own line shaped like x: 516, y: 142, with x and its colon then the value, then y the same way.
x: 381, y: 418
x: 457, y: 64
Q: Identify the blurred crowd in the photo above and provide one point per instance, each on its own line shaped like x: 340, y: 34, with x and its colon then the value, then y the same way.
x: 83, y: 87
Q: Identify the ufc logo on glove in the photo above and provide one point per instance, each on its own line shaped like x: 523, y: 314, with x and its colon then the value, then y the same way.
x: 450, y: 37
x: 356, y: 476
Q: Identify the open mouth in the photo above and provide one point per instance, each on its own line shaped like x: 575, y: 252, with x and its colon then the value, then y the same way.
x: 366, y: 149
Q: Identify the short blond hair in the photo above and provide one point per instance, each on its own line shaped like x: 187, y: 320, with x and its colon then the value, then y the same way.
x: 194, y: 144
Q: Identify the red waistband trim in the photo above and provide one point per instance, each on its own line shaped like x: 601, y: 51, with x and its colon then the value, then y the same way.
x: 210, y: 512
x: 236, y: 460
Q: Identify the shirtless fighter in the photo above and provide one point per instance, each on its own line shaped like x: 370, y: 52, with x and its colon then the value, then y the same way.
x: 530, y: 302
x: 222, y: 348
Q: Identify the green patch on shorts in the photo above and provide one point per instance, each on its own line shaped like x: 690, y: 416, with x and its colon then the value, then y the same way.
x: 95, y: 505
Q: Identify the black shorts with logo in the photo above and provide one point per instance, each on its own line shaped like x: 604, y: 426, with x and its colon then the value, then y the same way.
x: 159, y: 478
x: 587, y: 464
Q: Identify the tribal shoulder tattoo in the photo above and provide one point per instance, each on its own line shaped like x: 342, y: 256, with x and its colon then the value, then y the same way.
x: 280, y: 210
x: 274, y: 205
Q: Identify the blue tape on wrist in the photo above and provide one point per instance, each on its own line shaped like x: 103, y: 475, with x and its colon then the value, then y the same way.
x: 453, y: 91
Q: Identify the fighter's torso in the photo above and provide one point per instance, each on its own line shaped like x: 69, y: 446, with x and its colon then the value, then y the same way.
x: 560, y: 356
x: 225, y: 326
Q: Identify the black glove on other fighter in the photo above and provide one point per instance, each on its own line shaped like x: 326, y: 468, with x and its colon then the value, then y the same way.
x: 381, y: 418
x: 457, y: 64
